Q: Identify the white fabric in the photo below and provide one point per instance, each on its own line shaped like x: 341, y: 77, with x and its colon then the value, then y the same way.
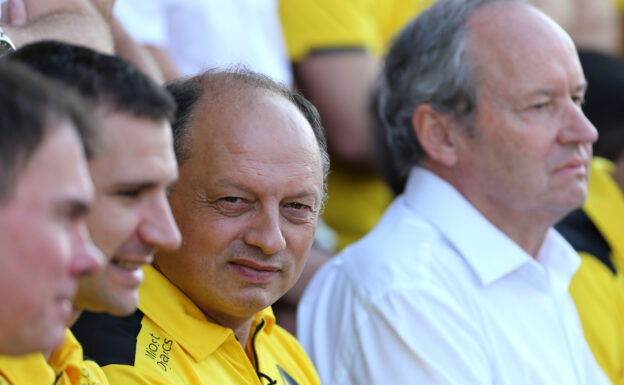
x: 436, y: 294
x: 203, y: 34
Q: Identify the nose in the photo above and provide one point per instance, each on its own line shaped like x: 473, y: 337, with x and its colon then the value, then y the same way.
x: 264, y: 231
x: 578, y: 129
x: 86, y: 258
x: 158, y: 228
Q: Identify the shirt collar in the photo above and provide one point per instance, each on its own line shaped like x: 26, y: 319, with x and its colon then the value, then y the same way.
x: 183, y: 320
x: 489, y: 252
x: 68, y: 358
x: 23, y: 369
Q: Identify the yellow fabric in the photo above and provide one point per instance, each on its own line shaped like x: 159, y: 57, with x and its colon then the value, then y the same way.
x: 598, y: 294
x: 66, y: 360
x: 177, y: 345
x: 605, y: 207
x: 355, y: 203
x: 322, y: 24
x: 25, y: 370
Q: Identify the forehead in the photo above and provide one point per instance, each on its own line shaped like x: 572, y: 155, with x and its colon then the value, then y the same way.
x: 56, y: 172
x: 520, y: 47
x: 135, y: 145
x: 255, y: 130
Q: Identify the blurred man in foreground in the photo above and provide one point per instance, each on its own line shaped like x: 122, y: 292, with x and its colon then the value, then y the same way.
x: 45, y: 194
x: 131, y: 216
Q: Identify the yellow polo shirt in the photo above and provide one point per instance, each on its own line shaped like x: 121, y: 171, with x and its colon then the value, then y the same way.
x: 172, y: 342
x: 25, y: 370
x: 597, y: 292
x: 66, y: 366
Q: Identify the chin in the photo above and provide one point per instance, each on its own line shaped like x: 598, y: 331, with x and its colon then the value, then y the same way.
x: 53, y: 338
x: 123, y: 305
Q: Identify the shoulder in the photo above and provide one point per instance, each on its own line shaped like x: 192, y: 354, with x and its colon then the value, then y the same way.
x: 402, y: 252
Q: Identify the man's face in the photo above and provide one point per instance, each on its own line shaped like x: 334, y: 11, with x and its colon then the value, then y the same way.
x: 532, y: 143
x: 44, y: 243
x: 131, y: 216
x: 247, y: 204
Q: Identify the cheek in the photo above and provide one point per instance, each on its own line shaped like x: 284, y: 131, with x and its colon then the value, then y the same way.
x: 299, y: 241
x: 42, y: 276
x: 110, y: 227
x: 213, y: 232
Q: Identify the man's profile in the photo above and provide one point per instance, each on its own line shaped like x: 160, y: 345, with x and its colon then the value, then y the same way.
x: 45, y: 195
x: 464, y: 281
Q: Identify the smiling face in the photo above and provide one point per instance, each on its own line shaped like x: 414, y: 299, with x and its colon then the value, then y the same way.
x: 44, y: 244
x: 247, y: 204
x: 131, y: 217
x: 531, y: 148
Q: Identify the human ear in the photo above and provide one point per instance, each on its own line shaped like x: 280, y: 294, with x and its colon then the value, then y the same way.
x: 435, y: 134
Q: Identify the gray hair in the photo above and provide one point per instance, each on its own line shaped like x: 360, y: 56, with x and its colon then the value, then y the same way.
x: 429, y: 62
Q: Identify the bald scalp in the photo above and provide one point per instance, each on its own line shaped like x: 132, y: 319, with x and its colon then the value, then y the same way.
x: 217, y: 90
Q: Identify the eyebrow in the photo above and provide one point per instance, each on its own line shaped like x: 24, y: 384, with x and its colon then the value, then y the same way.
x: 549, y: 92
x: 142, y: 184
x: 236, y: 185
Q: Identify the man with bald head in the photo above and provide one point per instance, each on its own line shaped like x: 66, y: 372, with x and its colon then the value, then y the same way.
x: 252, y: 166
x: 464, y: 281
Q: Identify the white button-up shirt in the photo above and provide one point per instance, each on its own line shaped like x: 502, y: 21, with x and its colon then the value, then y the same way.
x: 436, y: 294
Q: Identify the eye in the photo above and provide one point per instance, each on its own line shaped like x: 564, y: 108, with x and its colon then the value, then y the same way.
x: 539, y: 106
x: 232, y: 202
x: 578, y: 99
x: 298, y: 212
x: 232, y: 206
x: 298, y: 206
x: 129, y: 193
x: 72, y: 212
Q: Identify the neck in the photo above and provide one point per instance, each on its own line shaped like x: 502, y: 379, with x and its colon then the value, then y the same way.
x: 526, y: 228
x: 527, y: 234
x: 241, y: 327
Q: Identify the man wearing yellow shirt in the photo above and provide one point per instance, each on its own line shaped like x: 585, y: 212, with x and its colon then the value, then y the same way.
x: 597, y: 230
x: 131, y: 216
x: 252, y: 163
x: 45, y: 194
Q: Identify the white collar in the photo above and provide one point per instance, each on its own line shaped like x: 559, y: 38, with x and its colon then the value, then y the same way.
x: 490, y: 253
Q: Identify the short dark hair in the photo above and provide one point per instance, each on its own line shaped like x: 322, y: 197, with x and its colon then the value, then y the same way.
x: 31, y: 105
x: 100, y: 78
x: 214, y: 83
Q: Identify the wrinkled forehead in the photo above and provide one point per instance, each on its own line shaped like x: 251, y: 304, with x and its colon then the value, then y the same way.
x: 263, y: 129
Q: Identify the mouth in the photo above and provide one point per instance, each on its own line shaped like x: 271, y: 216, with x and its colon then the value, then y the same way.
x: 64, y: 302
x: 127, y: 269
x: 576, y: 165
x: 131, y: 261
x: 128, y: 265
x: 254, y: 272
